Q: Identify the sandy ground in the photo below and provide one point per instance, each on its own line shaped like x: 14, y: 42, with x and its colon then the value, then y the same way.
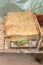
x: 17, y: 59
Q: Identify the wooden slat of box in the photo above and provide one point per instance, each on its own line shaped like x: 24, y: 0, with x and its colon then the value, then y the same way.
x: 1, y: 36
x: 41, y: 45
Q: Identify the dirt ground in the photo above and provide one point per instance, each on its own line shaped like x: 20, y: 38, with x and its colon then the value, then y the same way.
x: 18, y: 59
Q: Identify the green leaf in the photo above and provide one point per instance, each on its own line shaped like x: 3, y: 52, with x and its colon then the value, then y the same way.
x: 21, y: 42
